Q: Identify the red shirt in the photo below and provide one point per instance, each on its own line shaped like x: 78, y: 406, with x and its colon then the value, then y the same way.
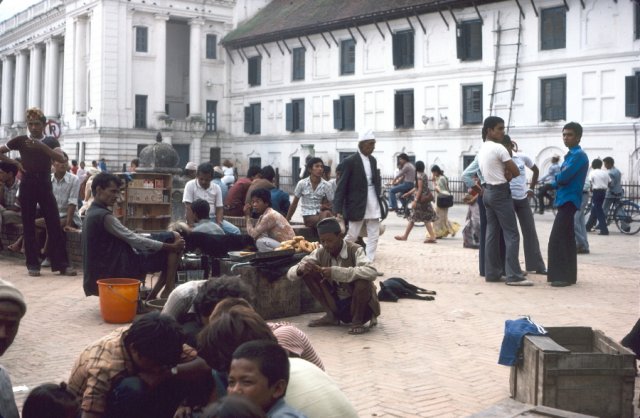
x: 234, y: 202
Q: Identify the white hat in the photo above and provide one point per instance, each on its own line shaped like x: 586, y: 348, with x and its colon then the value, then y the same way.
x: 191, y: 166
x: 366, y: 135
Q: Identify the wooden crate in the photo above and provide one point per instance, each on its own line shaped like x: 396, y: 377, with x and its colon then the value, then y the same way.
x: 576, y: 369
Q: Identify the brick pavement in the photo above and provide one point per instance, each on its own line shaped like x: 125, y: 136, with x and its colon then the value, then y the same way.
x: 425, y: 359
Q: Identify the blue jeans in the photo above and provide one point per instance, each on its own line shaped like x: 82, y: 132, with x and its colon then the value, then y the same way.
x: 400, y: 188
x: 597, y: 212
x: 579, y: 224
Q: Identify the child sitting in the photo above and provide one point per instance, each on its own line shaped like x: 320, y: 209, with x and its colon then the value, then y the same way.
x: 260, y: 371
x: 50, y: 400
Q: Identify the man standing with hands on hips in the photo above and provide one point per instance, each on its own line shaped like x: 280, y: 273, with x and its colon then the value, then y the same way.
x: 356, y: 197
x: 562, y: 262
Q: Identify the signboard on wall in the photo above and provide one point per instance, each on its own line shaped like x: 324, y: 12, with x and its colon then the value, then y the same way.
x: 52, y: 128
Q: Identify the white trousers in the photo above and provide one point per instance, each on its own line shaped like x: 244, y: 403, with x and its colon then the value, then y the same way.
x: 373, y: 233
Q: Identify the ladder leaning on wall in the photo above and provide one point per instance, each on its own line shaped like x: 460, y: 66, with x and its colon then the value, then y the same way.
x: 500, y: 69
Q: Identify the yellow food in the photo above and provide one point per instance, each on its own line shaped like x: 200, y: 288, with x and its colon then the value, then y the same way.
x: 299, y: 245
x: 243, y: 253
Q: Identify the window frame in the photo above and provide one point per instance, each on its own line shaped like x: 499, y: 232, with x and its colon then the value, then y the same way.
x: 469, y: 106
x: 211, y: 46
x: 347, y: 57
x: 404, y: 118
x: 211, y: 123
x: 632, y: 96
x: 550, y: 110
x: 142, y: 42
x: 553, y: 28
x: 469, y: 40
x: 298, y: 63
x: 252, y: 118
x: 254, y: 66
x: 295, y: 115
x: 344, y: 109
x: 403, y: 43
x: 140, y: 111
x: 637, y: 20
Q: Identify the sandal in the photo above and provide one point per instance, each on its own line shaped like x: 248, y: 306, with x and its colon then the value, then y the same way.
x: 325, y: 321
x: 358, y: 329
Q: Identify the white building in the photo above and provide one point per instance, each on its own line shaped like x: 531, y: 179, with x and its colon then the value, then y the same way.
x: 301, y: 77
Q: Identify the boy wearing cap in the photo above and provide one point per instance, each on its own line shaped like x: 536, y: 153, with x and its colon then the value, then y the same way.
x: 37, y: 152
x: 340, y: 277
x: 12, y: 309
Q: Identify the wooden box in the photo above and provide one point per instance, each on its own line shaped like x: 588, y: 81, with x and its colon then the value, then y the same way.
x: 576, y: 369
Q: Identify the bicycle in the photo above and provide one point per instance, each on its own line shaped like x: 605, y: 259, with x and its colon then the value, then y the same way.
x: 404, y: 209
x: 625, y: 214
x: 548, y: 202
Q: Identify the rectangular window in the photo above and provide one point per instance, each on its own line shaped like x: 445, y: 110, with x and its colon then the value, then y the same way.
x: 553, y: 98
x: 347, y: 57
x: 553, y: 28
x: 142, y: 39
x: 254, y: 70
x: 141, y: 112
x: 295, y: 116
x: 210, y: 115
x: 637, y: 20
x: 404, y: 109
x: 344, y: 113
x: 212, y: 41
x: 472, y: 104
x: 214, y: 155
x: 632, y: 96
x: 469, y: 40
x: 298, y: 64
x: 255, y: 162
x: 403, y: 49
x: 252, y: 118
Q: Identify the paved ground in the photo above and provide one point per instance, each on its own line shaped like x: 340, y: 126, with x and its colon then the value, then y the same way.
x: 425, y: 359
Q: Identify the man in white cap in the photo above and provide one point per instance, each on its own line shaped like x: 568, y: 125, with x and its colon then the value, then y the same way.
x: 190, y: 170
x: 356, y: 197
x: 12, y: 309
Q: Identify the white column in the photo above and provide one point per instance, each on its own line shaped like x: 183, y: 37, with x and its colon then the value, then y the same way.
x: 35, y: 77
x: 51, y: 74
x: 7, y: 91
x: 195, y: 84
x: 160, y: 75
x: 80, y: 66
x: 20, y: 92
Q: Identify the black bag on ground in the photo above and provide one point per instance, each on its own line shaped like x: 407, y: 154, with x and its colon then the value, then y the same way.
x: 394, y: 288
x: 444, y: 201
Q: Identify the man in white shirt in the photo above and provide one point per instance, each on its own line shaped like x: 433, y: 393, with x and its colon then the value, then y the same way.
x: 599, y: 180
x: 498, y: 168
x: 203, y: 188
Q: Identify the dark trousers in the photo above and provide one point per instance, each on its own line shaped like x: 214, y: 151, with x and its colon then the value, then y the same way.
x: 544, y: 191
x: 132, y: 398
x: 483, y: 236
x: 597, y: 211
x: 562, y: 260
x: 532, y: 256
x: 35, y: 189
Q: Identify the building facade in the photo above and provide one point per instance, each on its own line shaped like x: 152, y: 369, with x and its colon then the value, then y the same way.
x: 270, y: 82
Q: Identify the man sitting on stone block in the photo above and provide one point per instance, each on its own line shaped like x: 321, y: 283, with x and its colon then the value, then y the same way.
x: 340, y: 276
x: 112, y: 250
x: 271, y: 228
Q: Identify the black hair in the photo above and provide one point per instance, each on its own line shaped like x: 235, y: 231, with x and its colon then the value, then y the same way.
x: 327, y: 169
x: 437, y: 169
x: 271, y: 358
x: 205, y: 168
x: 403, y: 156
x: 103, y: 180
x: 216, y: 289
x: 597, y: 163
x: 74, y: 162
x: 490, y: 123
x: 506, y: 141
x: 156, y: 337
x: 340, y: 168
x: 136, y: 162
x: 253, y: 171
x: 419, y: 167
x: 8, y: 167
x: 575, y: 127
x: 608, y: 160
x: 268, y: 173
x: 201, y: 208
x: 262, y: 194
x: 313, y: 161
x: 233, y: 406
x: 51, y: 401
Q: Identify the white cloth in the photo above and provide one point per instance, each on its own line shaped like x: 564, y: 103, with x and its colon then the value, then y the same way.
x: 229, y: 176
x: 491, y: 159
x: 519, y: 184
x: 373, y: 234
x: 599, y: 179
x: 213, y: 195
x: 312, y: 392
x: 180, y: 300
x: 373, y: 206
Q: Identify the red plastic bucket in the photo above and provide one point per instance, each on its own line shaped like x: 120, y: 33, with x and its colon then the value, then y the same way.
x: 118, y: 299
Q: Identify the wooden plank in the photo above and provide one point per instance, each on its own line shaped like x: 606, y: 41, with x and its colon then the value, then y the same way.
x: 546, y: 344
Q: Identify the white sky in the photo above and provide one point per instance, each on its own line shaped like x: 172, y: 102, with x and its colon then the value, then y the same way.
x: 9, y: 8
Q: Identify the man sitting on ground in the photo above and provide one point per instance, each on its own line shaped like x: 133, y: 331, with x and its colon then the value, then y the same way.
x: 271, y: 228
x: 260, y: 371
x: 112, y: 250
x: 144, y: 370
x: 340, y: 277
x: 202, y: 222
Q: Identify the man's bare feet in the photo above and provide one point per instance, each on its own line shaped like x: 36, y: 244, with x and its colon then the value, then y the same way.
x: 325, y: 321
x: 400, y: 238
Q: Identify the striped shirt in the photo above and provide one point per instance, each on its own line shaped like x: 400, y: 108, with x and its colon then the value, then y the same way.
x: 295, y: 341
x: 66, y: 191
x: 11, y: 194
x: 311, y: 200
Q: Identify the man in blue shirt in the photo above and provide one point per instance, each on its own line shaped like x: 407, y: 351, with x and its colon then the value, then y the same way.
x: 562, y: 259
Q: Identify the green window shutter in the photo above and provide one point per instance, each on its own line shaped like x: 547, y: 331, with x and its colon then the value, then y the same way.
x: 632, y: 96
x: 338, y: 122
x: 289, y: 117
x: 248, y: 120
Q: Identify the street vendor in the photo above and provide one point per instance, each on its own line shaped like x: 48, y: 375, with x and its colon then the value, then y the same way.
x: 340, y: 277
x: 271, y: 228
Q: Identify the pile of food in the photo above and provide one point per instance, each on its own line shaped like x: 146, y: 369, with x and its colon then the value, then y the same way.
x: 299, y: 244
